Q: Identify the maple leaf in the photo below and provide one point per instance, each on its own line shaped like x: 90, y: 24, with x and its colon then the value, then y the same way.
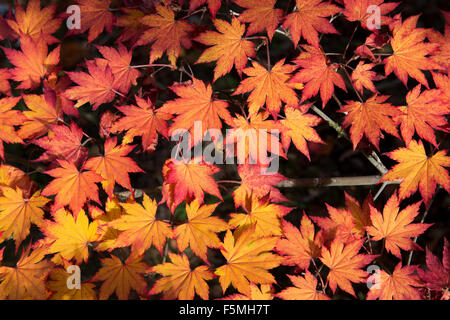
x: 133, y: 28
x: 443, y: 84
x: 119, y: 61
x: 422, y: 114
x: 34, y: 22
x: 120, y: 277
x: 64, y: 143
x: 213, y: 5
x: 298, y: 126
x: 180, y: 281
x: 40, y: 117
x: 72, y: 186
x: 269, y: 87
x: 318, y: 76
x: 339, y: 225
x: 360, y: 214
x: 33, y: 63
x: 441, y: 54
x: 95, y: 87
x: 263, y: 215
x: 362, y: 77
x: 228, y: 47
x: 17, y: 212
x: 196, y: 104
x: 395, y: 227
x: 108, y: 235
x: 254, y: 137
x: 299, y: 246
x: 166, y: 33
x: 261, y: 15
x: 257, y: 182
x: 114, y: 166
x: 95, y: 17
x: 5, y: 87
x: 305, y: 288
x: 8, y: 119
x: 368, y: 118
x: 418, y: 171
x: 140, y: 228
x: 27, y: 278
x: 70, y: 236
x: 248, y: 260
x: 309, y: 19
x: 190, y: 181
x: 345, y: 264
x: 437, y: 277
x: 200, y: 230
x: 57, y: 283
x: 265, y: 292
x: 358, y: 10
x: 409, y: 52
x: 13, y: 177
x: 142, y: 120
x: 401, y: 285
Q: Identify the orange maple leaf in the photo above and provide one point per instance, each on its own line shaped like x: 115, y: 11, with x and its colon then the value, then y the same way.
x: 200, y: 230
x: 5, y: 87
x: 345, y: 264
x: 358, y: 10
x: 42, y: 114
x: 114, y: 166
x: 395, y: 227
x: 269, y: 87
x: 257, y: 182
x: 299, y: 246
x: 17, y: 212
x: 96, y: 17
x: 247, y: 260
x: 36, y: 23
x: 309, y: 19
x: 33, y: 63
x: 228, y: 47
x: 261, y: 15
x: 95, y: 87
x: 119, y: 61
x: 409, y: 56
x: 120, y: 277
x: 180, y: 281
x: 63, y: 143
x: 368, y: 118
x: 213, y: 5
x: 70, y: 236
x: 142, y: 120
x: 401, y: 285
x: 72, y: 186
x: 265, y: 292
x: 318, y: 75
x: 305, y: 288
x: 57, y: 283
x: 362, y: 77
x: 189, y: 180
x: 196, y: 103
x: 360, y: 213
x: 167, y: 33
x: 422, y: 114
x: 130, y: 21
x: 418, y: 171
x: 298, y: 127
x: 263, y: 215
x: 140, y: 228
x: 27, y: 278
x: 8, y: 119
x: 254, y: 137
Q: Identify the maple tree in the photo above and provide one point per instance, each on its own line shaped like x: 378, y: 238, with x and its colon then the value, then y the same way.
x: 100, y: 128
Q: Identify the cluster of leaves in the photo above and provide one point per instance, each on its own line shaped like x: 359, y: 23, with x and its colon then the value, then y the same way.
x: 78, y: 215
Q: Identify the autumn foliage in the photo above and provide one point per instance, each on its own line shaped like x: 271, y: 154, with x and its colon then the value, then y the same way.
x: 87, y: 117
